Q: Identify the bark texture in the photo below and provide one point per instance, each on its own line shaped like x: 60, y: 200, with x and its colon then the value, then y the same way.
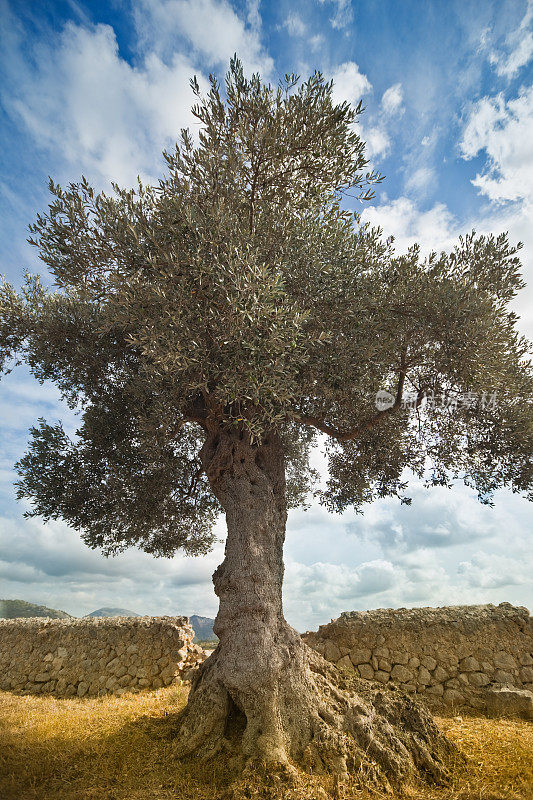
x: 263, y: 694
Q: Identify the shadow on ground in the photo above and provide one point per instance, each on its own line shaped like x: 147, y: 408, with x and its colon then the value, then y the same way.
x: 121, y: 749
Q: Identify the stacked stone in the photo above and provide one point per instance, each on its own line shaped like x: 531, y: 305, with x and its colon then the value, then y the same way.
x: 95, y: 656
x: 452, y: 656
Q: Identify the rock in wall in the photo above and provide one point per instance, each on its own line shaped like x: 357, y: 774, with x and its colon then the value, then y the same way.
x: 95, y: 656
x: 452, y: 656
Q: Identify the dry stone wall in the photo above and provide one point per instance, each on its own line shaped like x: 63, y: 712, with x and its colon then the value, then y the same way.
x: 95, y: 656
x: 457, y: 656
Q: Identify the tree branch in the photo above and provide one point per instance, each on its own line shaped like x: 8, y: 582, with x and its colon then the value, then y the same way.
x: 371, y: 422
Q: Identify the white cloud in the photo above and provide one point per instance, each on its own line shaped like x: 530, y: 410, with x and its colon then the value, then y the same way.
x: 295, y: 25
x: 377, y: 140
x: 22, y: 401
x: 392, y: 556
x: 112, y: 119
x: 438, y: 229
x: 316, y: 41
x: 439, y: 519
x: 518, y: 220
x: 392, y: 99
x: 421, y: 180
x: 314, y: 593
x: 17, y: 388
x: 50, y: 564
x: 491, y: 571
x: 434, y: 229
x: 424, y: 572
x: 518, y: 48
x: 503, y: 129
x: 349, y: 83
x: 424, y: 580
x: 212, y: 27
x: 396, y: 555
x: 342, y: 13
x: 253, y: 15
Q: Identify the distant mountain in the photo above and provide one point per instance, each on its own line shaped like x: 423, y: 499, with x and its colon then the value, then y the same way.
x: 203, y: 628
x: 13, y: 609
x: 106, y: 611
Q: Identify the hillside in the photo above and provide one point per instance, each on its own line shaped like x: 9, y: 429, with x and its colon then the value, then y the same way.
x: 108, y: 611
x: 11, y: 609
x: 203, y: 628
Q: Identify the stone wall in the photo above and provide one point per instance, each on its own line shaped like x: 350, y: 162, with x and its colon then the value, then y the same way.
x: 95, y: 656
x: 453, y: 657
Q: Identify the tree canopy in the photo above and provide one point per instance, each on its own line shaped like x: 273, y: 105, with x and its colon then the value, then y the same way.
x: 241, y: 291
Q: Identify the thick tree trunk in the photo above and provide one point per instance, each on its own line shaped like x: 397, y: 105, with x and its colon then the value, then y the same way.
x: 263, y: 693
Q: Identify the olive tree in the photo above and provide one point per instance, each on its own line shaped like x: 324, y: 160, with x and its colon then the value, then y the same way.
x: 208, y: 329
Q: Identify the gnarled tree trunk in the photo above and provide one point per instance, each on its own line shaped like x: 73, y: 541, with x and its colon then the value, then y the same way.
x: 263, y: 693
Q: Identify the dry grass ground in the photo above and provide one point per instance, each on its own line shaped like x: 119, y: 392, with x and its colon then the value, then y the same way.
x: 120, y: 749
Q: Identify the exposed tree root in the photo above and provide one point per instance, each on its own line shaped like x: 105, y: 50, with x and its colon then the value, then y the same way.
x: 316, y: 718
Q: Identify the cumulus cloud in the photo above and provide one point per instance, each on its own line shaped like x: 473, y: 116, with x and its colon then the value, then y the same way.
x: 112, y: 119
x: 53, y: 550
x: 50, y: 564
x: 425, y: 547
x: 349, y: 83
x: 422, y: 576
x: 517, y: 49
x: 212, y: 27
x: 314, y: 593
x: 494, y: 571
x: 438, y: 519
x: 378, y: 142
x: 502, y: 129
x: 434, y: 228
x: 424, y: 580
x: 398, y: 556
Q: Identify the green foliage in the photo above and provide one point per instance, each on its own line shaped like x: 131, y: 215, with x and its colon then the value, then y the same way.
x: 116, y: 488
x: 239, y: 291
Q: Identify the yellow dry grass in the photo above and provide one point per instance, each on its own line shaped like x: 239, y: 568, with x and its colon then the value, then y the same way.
x: 114, y: 748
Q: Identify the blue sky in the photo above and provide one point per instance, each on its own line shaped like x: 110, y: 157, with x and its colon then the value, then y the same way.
x: 100, y: 88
